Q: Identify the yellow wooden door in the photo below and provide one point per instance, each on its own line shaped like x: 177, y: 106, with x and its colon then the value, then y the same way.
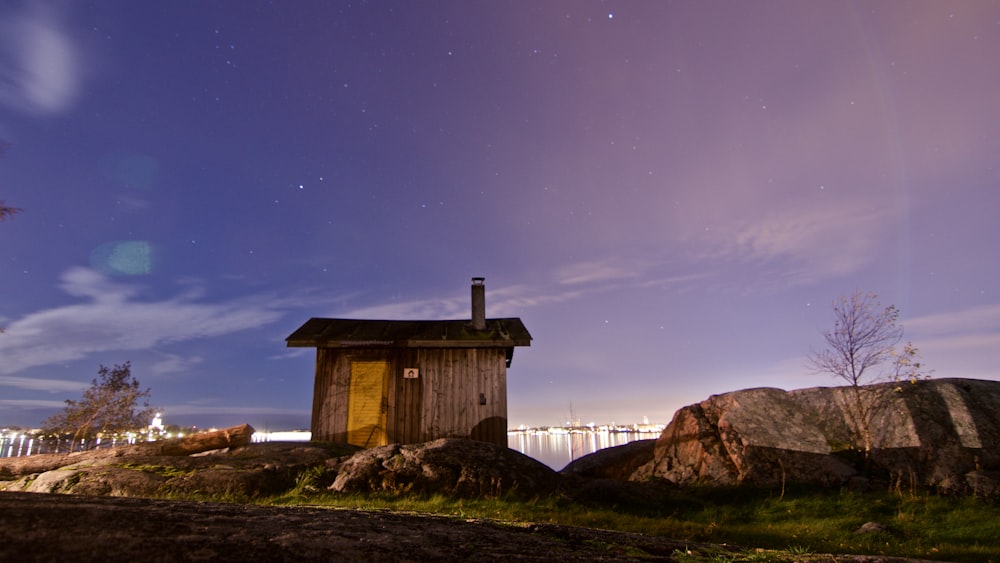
x: 367, y: 404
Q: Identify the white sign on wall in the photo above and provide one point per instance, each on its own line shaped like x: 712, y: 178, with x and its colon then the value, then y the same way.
x: 411, y: 373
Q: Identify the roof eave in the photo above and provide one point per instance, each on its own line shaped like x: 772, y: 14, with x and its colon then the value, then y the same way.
x: 305, y: 343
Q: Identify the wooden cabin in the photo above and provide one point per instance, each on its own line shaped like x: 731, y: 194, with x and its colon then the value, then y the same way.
x: 380, y: 382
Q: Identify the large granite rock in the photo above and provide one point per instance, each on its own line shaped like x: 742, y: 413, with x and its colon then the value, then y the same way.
x: 617, y: 462
x: 466, y: 468
x: 941, y: 433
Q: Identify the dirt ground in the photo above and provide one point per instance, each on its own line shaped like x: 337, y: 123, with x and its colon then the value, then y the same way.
x: 42, y: 527
x: 51, y: 528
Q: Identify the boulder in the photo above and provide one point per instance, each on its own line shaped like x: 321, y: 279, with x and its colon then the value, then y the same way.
x: 465, y: 468
x: 877, y: 528
x: 617, y: 462
x: 941, y: 433
x: 105, y: 481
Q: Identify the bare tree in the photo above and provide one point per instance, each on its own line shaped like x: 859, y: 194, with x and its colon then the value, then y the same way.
x: 861, y: 350
x: 108, y: 407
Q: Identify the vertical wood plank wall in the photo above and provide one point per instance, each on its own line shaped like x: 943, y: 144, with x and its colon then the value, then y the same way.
x: 330, y: 396
x: 443, y: 402
x: 454, y: 380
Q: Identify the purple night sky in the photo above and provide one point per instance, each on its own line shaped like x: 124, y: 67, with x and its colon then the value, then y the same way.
x: 669, y: 194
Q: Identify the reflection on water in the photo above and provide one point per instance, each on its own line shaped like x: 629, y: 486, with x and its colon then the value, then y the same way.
x: 557, y: 447
x: 18, y: 444
x: 554, y: 447
x: 14, y: 445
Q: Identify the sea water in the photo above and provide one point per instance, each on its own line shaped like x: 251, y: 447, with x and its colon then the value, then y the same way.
x: 558, y: 447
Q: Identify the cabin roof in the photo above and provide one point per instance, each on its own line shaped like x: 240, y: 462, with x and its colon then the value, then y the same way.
x: 355, y: 333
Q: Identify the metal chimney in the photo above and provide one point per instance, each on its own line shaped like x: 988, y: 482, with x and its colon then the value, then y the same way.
x: 478, y: 304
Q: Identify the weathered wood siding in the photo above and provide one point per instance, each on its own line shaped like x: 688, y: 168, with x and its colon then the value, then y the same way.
x: 330, y: 396
x: 460, y: 393
x: 404, y: 398
x: 457, y: 381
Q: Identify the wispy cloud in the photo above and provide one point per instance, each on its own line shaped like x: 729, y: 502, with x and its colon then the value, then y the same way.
x: 971, y: 329
x: 291, y: 353
x: 35, y: 384
x: 500, y: 302
x: 173, y: 363
x: 598, y: 271
x: 975, y: 341
x: 512, y: 300
x: 40, y: 64
x: 113, y: 318
x: 812, y: 244
x: 984, y: 318
x: 190, y: 409
x: 431, y: 308
x: 791, y: 245
x: 32, y: 403
x: 565, y: 283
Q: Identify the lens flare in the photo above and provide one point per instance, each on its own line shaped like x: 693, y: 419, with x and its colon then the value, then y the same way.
x: 123, y: 258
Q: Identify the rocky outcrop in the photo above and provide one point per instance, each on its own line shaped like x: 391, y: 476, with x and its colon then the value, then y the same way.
x: 224, y: 439
x: 466, y: 468
x: 618, y: 462
x: 940, y: 433
x: 250, y: 471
